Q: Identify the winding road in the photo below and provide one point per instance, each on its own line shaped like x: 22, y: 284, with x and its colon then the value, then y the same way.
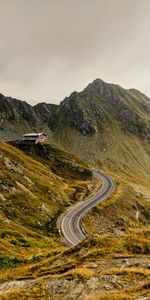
x: 70, y: 225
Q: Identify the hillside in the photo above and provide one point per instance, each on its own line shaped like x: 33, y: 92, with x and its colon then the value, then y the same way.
x: 111, y: 263
x: 32, y: 197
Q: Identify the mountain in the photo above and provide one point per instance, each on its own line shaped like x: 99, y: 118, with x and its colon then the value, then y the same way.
x: 114, y: 122
x: 109, y: 127
x: 100, y: 104
x: 88, y: 111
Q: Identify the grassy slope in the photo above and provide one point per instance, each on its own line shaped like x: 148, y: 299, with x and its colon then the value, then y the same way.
x: 32, y: 197
x: 113, y: 263
x: 61, y: 162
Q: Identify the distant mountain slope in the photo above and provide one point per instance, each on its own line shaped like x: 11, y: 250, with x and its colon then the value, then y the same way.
x: 111, y: 127
x: 17, y: 117
x: 101, y: 104
x: 104, y: 124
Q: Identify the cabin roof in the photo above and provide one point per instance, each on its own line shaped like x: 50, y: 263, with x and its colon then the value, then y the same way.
x: 34, y: 134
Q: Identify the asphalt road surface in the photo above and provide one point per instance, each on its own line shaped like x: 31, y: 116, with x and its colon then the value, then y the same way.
x: 71, y: 222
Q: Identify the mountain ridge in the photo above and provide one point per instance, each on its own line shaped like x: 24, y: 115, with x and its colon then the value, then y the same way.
x: 105, y: 124
x: 127, y: 103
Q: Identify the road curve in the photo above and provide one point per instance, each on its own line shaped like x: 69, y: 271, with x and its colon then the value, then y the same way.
x: 70, y: 225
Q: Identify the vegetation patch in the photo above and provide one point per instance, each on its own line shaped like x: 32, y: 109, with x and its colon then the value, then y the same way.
x: 6, y: 262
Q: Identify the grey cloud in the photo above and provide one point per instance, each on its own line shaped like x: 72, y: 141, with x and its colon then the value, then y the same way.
x: 50, y: 48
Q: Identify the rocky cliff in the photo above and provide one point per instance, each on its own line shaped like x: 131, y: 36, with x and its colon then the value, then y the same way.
x: 17, y: 117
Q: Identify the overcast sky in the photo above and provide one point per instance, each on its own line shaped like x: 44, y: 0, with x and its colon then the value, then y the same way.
x: 50, y: 48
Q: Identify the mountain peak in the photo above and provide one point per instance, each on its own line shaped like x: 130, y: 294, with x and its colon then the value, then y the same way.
x: 99, y: 83
x: 102, y: 88
x: 96, y: 83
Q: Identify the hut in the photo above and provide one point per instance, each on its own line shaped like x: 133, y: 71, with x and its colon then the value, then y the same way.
x: 34, y: 137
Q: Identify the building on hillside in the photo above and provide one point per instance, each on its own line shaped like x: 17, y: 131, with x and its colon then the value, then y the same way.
x: 34, y: 137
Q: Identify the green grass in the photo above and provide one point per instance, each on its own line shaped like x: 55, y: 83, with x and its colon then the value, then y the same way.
x: 28, y: 227
x: 32, y: 198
